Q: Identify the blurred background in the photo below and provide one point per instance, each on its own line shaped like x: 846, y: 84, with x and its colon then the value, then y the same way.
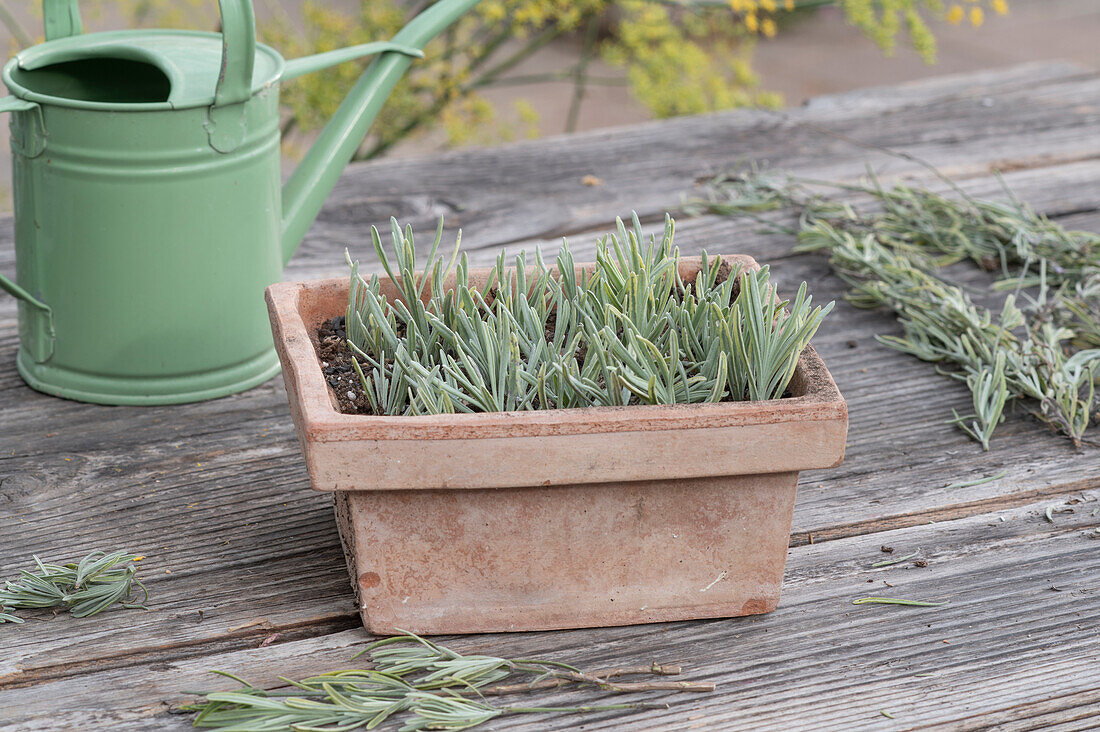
x: 518, y: 69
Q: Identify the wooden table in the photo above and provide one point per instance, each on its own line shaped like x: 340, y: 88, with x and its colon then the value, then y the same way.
x: 239, y: 551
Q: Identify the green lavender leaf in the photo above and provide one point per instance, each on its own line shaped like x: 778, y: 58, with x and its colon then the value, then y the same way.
x: 1044, y: 350
x: 97, y: 582
x: 628, y: 332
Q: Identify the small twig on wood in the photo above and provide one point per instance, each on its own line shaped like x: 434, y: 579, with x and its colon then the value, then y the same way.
x: 625, y: 686
x: 894, y: 601
x: 603, y: 682
x: 435, y: 686
x: 899, y: 560
x: 659, y: 669
x: 655, y: 668
x: 699, y: 686
x: 979, y: 481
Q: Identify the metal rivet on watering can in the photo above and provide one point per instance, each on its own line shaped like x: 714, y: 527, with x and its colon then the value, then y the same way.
x: 149, y: 215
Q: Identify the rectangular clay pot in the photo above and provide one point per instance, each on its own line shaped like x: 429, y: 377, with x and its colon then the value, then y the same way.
x: 559, y: 518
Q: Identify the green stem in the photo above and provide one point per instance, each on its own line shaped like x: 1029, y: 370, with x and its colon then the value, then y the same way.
x: 564, y: 75
x: 13, y: 26
x: 580, y: 78
x: 689, y: 4
x: 276, y: 8
x: 588, y: 708
x: 539, y: 41
x: 432, y: 110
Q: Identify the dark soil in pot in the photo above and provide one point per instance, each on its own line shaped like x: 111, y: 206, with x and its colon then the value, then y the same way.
x: 336, y: 364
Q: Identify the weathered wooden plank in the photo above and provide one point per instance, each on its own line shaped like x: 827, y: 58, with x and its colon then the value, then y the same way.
x: 966, y: 85
x: 290, y: 596
x: 1068, y: 193
x: 1004, y: 638
x: 250, y: 488
x: 534, y: 189
x: 256, y: 420
x: 249, y: 533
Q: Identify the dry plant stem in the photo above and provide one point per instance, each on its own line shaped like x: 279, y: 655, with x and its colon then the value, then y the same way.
x: 899, y: 560
x: 658, y: 669
x: 895, y: 601
x: 433, y: 686
x: 620, y: 686
x: 602, y: 676
x: 976, y: 481
x: 589, y: 708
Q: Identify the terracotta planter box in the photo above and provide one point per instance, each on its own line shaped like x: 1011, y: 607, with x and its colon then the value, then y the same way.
x: 560, y: 518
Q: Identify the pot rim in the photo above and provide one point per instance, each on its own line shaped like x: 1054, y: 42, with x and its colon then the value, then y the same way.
x: 816, y: 398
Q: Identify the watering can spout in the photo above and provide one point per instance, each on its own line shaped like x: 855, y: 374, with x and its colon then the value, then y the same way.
x: 316, y: 175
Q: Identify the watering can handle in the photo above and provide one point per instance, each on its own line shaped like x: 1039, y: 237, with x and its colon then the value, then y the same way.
x: 15, y: 104
x: 238, y: 52
x: 40, y: 338
x: 62, y: 19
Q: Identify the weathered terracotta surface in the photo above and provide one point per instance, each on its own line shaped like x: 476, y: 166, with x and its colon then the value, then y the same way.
x: 446, y: 561
x: 560, y: 518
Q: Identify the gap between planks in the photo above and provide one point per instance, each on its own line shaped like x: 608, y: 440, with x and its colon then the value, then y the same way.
x: 826, y: 659
x: 885, y: 519
x: 239, y: 639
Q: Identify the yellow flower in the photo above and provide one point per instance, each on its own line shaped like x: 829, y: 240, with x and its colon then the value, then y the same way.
x: 767, y: 5
x: 494, y: 12
x: 767, y: 27
x: 788, y: 4
x: 752, y: 23
x: 976, y: 16
x: 1000, y: 7
x: 955, y: 15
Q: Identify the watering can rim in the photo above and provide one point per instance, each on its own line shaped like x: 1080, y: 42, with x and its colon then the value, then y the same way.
x: 193, y: 81
x: 119, y: 44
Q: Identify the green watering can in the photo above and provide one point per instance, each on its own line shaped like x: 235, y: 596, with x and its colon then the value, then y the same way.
x: 149, y: 215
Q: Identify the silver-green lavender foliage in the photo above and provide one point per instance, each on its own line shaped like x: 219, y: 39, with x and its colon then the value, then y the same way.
x: 84, y: 588
x: 424, y: 684
x: 538, y: 337
x: 1045, y: 351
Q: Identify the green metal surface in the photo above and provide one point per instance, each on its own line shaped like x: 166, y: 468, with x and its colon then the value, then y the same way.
x: 148, y: 212
x: 307, y: 65
x: 147, y: 70
x: 316, y: 175
x: 62, y: 18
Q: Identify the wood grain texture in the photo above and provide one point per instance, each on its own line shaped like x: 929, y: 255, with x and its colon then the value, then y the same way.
x: 216, y: 496
x: 818, y: 660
